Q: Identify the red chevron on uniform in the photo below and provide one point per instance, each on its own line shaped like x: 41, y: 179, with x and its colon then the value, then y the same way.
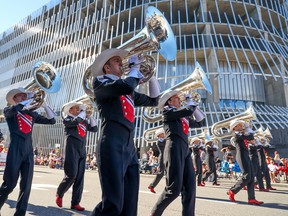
x: 185, y: 125
x: 24, y: 122
x: 81, y: 129
x: 127, y: 107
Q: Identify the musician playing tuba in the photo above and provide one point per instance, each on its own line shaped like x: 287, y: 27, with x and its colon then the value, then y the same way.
x: 243, y: 134
x: 76, y: 124
x: 21, y: 118
x: 180, y: 174
x: 117, y: 159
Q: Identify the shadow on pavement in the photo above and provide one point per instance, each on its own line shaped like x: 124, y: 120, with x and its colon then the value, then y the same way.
x: 48, y: 210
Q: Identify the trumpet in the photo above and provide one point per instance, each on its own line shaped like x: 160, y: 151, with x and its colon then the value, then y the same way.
x: 248, y: 115
x: 45, y: 79
x: 197, y: 80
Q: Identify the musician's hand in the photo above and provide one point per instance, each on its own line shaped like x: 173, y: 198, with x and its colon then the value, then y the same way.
x: 25, y: 102
x: 82, y: 115
x: 30, y: 95
x: 135, y: 61
x: 83, y: 107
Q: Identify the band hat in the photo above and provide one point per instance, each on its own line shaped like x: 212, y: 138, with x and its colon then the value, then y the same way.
x: 195, y: 139
x: 234, y: 123
x: 159, y: 131
x: 10, y: 95
x: 68, y: 106
x: 97, y: 66
x: 166, y: 96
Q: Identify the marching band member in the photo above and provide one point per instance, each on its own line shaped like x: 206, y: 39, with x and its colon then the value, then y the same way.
x: 116, y: 153
x: 160, y: 134
x: 210, y: 148
x: 242, y: 137
x: 76, y: 124
x: 253, y: 154
x: 263, y: 144
x: 21, y: 117
x: 180, y: 174
x: 197, y: 147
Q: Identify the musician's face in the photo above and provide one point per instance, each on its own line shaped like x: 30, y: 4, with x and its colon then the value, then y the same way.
x: 20, y: 97
x: 75, y: 110
x: 238, y: 127
x: 175, y: 101
x: 113, y: 66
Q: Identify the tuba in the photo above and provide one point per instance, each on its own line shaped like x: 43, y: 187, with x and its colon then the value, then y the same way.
x: 45, y: 79
x: 157, y: 35
x: 149, y: 134
x: 248, y: 115
x: 268, y: 134
x: 197, y: 80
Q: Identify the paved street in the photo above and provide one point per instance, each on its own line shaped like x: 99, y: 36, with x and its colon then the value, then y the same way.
x: 211, y: 200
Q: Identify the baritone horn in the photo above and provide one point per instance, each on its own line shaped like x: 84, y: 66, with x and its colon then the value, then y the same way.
x: 197, y: 80
x: 246, y: 116
x: 45, y: 79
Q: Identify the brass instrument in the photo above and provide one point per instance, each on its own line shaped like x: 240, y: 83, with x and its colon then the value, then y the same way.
x: 158, y: 36
x: 86, y: 101
x: 197, y: 80
x: 149, y: 134
x: 45, y: 79
x: 268, y: 134
x: 247, y: 116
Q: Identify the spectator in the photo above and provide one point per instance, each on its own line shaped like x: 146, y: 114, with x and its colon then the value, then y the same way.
x: 272, y: 170
x: 277, y: 159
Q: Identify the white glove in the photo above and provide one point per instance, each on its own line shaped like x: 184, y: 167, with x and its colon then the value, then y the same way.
x: 154, y: 87
x: 30, y: 95
x: 135, y: 73
x: 215, y: 146
x: 249, y: 130
x: 92, y: 121
x: 83, y: 107
x: 49, y: 111
x: 135, y: 61
x: 82, y: 115
x: 191, y: 103
x: 25, y: 102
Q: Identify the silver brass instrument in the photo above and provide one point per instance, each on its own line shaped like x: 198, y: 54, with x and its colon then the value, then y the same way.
x: 45, y: 79
x: 149, y: 134
x: 267, y: 133
x: 197, y: 80
x: 247, y: 116
x: 158, y: 36
x: 86, y: 100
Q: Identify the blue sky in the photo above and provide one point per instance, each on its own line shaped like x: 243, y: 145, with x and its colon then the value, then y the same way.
x: 13, y: 11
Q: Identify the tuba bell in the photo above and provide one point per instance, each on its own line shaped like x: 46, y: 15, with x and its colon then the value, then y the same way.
x: 197, y: 80
x: 45, y: 79
x: 158, y: 36
x: 247, y: 116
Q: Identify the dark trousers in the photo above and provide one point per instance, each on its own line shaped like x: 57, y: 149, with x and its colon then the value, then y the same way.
x: 211, y: 169
x: 247, y: 177
x: 161, y: 173
x: 257, y: 172
x: 265, y: 173
x: 118, y: 172
x: 74, y: 169
x: 198, y: 165
x: 18, y: 162
x: 180, y: 178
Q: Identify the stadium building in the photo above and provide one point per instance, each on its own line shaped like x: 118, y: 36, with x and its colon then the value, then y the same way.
x: 242, y: 47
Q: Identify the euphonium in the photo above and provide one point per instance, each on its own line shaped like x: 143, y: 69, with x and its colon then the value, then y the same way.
x: 197, y: 80
x: 45, y: 79
x: 158, y: 36
x: 248, y: 115
x: 267, y: 133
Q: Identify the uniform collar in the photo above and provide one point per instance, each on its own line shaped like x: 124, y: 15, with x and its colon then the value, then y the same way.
x: 112, y: 76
